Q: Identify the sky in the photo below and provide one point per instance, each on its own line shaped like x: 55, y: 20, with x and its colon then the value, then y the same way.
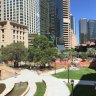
x: 83, y: 9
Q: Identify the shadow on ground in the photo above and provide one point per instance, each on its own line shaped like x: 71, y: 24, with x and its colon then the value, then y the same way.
x: 86, y: 90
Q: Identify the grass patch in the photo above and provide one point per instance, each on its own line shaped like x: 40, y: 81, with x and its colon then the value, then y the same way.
x: 83, y: 90
x: 18, y: 89
x: 2, y: 87
x: 83, y: 73
x: 41, y: 87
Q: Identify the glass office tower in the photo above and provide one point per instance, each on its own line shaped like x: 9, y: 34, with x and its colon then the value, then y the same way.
x: 56, y: 20
x: 72, y: 23
x: 87, y: 29
x: 83, y: 30
x: 73, y: 31
x: 44, y: 16
x: 92, y: 30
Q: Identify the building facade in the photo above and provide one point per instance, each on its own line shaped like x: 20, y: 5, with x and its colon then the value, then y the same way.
x: 91, y: 31
x: 73, y: 23
x: 66, y: 23
x: 73, y: 31
x: 11, y: 32
x: 21, y: 11
x: 44, y: 16
x: 56, y: 20
x: 87, y: 30
x: 83, y: 30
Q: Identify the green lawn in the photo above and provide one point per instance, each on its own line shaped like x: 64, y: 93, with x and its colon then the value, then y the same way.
x: 83, y: 73
x: 18, y: 89
x: 2, y: 87
x: 41, y: 88
x: 83, y: 90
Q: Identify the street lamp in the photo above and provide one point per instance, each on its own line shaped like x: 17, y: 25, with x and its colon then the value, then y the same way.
x: 68, y: 73
x: 66, y: 63
x: 55, y: 67
x: 72, y: 84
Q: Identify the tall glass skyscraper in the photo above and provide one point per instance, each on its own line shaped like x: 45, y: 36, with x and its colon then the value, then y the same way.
x: 87, y: 29
x: 92, y: 30
x: 72, y: 23
x: 73, y: 31
x: 44, y: 16
x: 54, y: 20
x: 83, y: 30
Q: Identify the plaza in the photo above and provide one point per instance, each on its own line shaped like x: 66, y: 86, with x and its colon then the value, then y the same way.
x: 53, y: 86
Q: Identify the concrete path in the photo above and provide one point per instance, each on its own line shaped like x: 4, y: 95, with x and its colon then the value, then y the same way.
x: 56, y: 71
x: 9, y: 86
x: 55, y: 87
x: 25, y: 76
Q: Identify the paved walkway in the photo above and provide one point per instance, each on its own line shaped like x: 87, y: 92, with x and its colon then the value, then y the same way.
x: 55, y: 87
x: 25, y: 76
x: 56, y: 71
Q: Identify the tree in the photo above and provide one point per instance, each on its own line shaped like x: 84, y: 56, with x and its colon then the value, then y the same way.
x: 91, y: 52
x: 83, y: 56
x: 14, y: 51
x: 42, y: 51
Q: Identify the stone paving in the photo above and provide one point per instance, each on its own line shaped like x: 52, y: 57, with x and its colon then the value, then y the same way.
x: 54, y: 86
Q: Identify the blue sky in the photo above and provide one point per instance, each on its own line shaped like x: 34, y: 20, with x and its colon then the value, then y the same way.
x: 83, y: 9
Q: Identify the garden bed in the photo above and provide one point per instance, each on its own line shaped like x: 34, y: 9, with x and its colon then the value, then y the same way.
x: 19, y: 89
x: 2, y: 87
x: 41, y: 88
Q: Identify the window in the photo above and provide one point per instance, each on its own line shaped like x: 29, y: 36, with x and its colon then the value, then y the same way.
x: 13, y: 31
x: 2, y: 46
x: 2, y: 30
x: 3, y: 36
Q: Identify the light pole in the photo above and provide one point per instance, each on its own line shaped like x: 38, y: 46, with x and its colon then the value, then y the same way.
x: 55, y: 67
x: 68, y: 73
x: 72, y: 84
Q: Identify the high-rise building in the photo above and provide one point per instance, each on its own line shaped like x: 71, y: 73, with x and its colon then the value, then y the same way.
x: 56, y: 20
x: 83, y: 30
x: 91, y: 30
x: 42, y: 19
x: 44, y: 16
x: 1, y: 10
x: 73, y: 31
x: 87, y: 29
x: 21, y: 11
x: 66, y: 23
x: 73, y: 23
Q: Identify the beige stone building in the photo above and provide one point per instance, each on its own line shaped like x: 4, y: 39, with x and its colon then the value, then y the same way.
x: 66, y: 23
x: 73, y: 40
x: 11, y: 32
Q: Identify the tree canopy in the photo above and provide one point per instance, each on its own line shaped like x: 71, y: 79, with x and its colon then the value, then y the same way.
x: 42, y: 50
x: 14, y: 51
